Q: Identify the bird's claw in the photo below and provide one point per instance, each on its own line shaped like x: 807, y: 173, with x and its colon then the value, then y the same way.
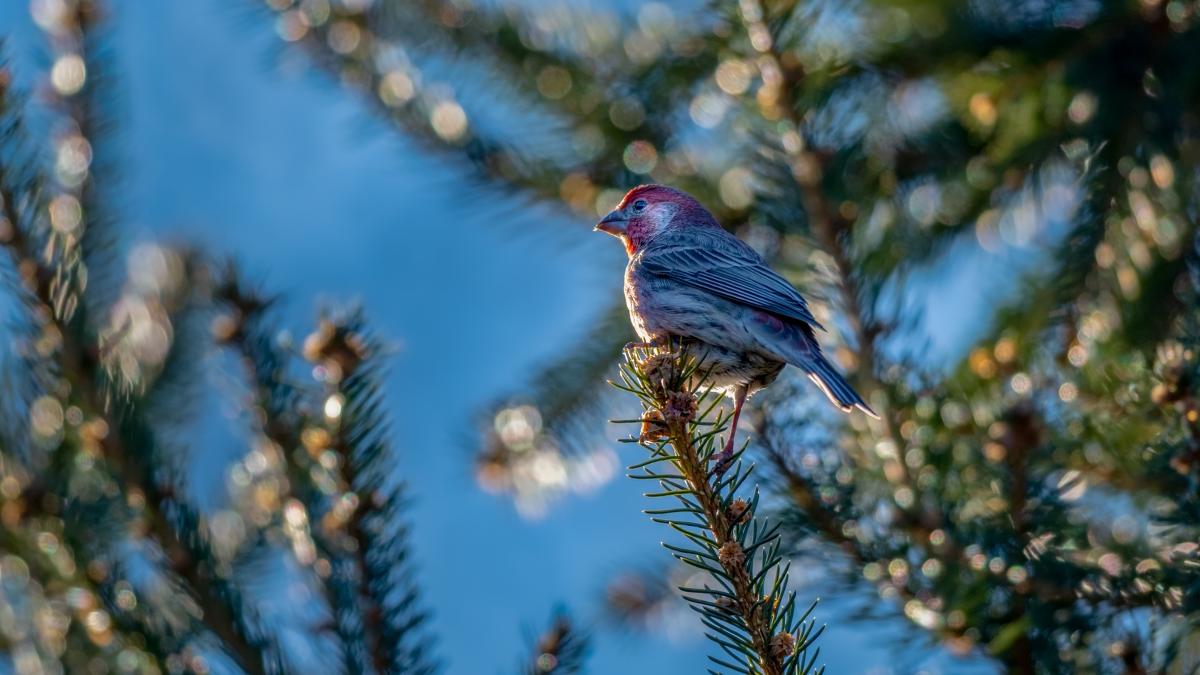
x: 723, y: 460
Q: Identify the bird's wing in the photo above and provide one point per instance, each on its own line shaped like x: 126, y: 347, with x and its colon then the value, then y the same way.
x: 734, y: 272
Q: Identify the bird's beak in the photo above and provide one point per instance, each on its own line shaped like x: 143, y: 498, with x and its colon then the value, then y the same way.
x: 613, y: 223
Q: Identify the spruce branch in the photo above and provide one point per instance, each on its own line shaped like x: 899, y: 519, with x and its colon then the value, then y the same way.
x: 398, y: 91
x: 750, y: 613
x: 57, y: 578
x: 80, y: 240
x: 377, y: 597
x: 287, y: 408
x: 1178, y: 455
x: 351, y: 517
x: 1055, y: 582
x: 570, y: 409
x: 560, y: 650
x: 129, y: 451
x: 137, y: 452
x: 93, y: 486
x: 832, y: 231
x: 379, y: 51
x: 74, y: 361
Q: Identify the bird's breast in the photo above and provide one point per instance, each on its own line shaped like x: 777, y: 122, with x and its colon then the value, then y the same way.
x: 638, y: 299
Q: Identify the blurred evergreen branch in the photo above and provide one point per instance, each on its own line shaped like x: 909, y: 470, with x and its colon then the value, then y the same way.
x: 104, y: 545
x: 111, y: 416
x: 342, y: 517
x: 561, y: 649
x: 380, y: 603
x: 81, y: 93
x: 563, y: 418
x: 1056, y: 595
x: 749, y: 611
x: 390, y: 51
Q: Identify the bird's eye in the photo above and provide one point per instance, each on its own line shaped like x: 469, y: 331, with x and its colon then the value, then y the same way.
x: 639, y: 205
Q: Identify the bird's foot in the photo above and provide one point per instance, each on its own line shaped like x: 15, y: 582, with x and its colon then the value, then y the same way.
x: 723, y: 459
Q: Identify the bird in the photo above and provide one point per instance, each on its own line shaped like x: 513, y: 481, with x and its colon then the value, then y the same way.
x: 687, y: 278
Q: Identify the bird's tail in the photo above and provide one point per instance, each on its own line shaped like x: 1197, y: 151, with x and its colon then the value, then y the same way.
x: 839, y: 391
x: 795, y: 342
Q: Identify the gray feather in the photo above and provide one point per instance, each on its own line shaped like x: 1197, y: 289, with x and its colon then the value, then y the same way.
x: 836, y: 387
x: 795, y: 343
x: 744, y: 320
x: 720, y: 263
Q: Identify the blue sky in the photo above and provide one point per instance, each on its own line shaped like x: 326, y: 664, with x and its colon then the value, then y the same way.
x: 227, y: 145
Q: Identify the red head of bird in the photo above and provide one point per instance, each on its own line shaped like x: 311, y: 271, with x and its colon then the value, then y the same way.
x: 650, y: 211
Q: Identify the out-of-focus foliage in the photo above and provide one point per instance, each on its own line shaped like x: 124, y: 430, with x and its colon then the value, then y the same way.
x: 1031, y: 495
x: 560, y: 650
x: 109, y: 560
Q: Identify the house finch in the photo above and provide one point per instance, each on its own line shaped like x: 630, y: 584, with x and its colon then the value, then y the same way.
x: 688, y: 278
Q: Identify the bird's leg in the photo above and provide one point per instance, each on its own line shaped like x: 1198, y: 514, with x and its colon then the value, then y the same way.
x: 725, y: 457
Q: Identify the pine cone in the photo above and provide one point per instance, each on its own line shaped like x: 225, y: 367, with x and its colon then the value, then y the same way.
x: 783, y: 645
x: 680, y: 408
x: 731, y: 554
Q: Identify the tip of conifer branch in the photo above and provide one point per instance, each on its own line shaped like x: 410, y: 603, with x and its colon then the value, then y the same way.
x: 337, y: 348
